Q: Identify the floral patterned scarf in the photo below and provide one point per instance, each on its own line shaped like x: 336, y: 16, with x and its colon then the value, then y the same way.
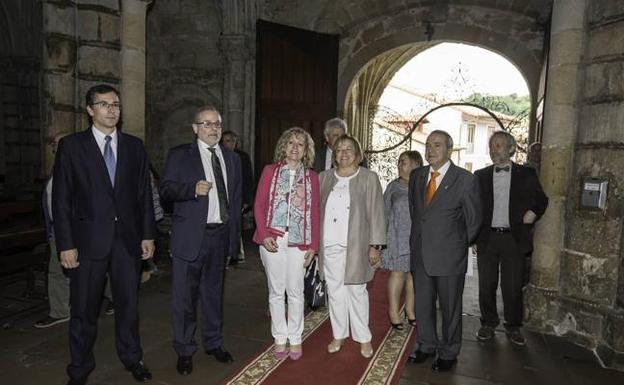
x: 297, y: 220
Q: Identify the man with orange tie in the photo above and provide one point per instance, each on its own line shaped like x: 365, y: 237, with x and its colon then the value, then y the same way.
x: 445, y: 207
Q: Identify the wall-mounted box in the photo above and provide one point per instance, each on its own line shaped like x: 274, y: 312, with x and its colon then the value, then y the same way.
x: 594, y: 193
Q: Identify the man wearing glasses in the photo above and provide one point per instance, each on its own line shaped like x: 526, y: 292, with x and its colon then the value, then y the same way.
x: 204, y: 181
x: 104, y: 225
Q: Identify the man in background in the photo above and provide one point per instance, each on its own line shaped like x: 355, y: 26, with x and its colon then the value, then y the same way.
x: 513, y: 200
x: 334, y: 128
x: 231, y: 141
x: 58, y: 282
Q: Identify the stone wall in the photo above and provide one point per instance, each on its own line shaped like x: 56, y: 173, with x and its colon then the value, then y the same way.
x: 578, y: 289
x: 81, y: 49
x: 184, y: 70
x: 21, y: 143
x: 592, y: 267
x: 187, y: 65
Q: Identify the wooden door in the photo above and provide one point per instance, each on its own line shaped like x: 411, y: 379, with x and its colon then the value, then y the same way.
x: 296, y: 77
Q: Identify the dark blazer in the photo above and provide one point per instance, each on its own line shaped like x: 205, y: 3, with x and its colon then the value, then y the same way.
x: 183, y: 170
x: 85, y: 206
x: 525, y: 193
x: 320, y: 158
x: 442, y: 231
x: 247, y: 175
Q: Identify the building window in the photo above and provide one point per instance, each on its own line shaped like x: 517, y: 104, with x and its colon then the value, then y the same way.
x: 468, y: 166
x: 490, y: 132
x: 471, y: 136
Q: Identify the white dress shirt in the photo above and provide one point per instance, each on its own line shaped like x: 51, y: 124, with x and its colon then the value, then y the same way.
x: 328, y: 158
x: 501, y: 183
x: 100, y: 139
x: 336, y: 221
x: 442, y: 171
x: 214, y: 213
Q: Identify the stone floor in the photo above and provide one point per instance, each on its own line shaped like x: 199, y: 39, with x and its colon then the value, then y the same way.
x: 31, y: 356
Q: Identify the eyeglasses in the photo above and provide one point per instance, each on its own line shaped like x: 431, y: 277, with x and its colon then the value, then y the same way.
x: 107, y: 106
x: 209, y: 124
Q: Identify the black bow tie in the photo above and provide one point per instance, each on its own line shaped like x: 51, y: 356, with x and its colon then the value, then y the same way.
x: 499, y: 169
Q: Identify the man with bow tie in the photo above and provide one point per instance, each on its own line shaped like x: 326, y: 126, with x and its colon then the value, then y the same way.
x: 513, y: 200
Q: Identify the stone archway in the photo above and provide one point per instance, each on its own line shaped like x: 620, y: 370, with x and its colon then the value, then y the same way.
x: 376, y: 44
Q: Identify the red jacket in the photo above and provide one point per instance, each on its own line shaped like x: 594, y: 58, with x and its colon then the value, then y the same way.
x: 261, y: 208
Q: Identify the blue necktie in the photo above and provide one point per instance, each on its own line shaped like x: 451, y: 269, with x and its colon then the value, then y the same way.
x: 109, y: 159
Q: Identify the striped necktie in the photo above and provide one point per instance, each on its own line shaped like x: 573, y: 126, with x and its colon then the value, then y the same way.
x: 221, y: 191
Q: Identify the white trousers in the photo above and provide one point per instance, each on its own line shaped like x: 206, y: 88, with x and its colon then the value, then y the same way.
x: 285, y: 271
x: 348, y: 304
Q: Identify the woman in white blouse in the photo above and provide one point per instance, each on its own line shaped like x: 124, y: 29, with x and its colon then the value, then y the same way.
x: 352, y: 235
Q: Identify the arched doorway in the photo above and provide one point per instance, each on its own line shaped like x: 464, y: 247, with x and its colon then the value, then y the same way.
x: 368, y: 84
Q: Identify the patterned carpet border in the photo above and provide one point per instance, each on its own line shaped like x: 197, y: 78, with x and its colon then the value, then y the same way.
x: 387, y: 359
x: 262, y: 366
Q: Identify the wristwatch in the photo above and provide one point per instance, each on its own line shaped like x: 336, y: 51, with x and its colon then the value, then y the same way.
x: 377, y: 247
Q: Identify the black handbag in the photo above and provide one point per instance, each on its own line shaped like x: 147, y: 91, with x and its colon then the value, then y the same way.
x: 313, y: 287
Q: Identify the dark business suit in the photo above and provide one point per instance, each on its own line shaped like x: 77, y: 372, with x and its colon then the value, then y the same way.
x: 199, y: 251
x: 439, y: 239
x: 320, y: 157
x: 106, y: 224
x: 507, y: 248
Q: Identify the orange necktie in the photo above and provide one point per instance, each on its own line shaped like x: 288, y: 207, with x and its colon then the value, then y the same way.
x: 431, y: 188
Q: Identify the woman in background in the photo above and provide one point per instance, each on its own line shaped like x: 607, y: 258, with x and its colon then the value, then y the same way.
x: 287, y: 230
x: 396, y: 257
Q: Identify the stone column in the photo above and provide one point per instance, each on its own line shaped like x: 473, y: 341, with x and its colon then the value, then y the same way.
x: 235, y: 52
x: 561, y: 119
x: 238, y: 45
x: 59, y: 87
x: 133, y: 21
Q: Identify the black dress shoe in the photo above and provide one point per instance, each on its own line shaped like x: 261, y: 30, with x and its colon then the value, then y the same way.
x: 140, y: 372
x: 440, y: 365
x: 220, y: 354
x: 185, y: 365
x: 419, y: 356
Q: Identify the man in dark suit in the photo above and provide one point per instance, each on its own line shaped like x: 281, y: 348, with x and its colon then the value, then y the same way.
x: 230, y: 140
x: 104, y: 225
x: 334, y: 128
x: 513, y: 200
x: 203, y: 180
x: 445, y: 207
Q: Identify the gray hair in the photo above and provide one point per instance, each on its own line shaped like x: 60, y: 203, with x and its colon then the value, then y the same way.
x: 447, y: 137
x: 511, y: 141
x: 333, y: 123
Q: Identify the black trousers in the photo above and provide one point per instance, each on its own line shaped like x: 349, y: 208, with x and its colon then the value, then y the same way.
x: 501, y: 251
x: 200, y: 280
x: 86, y: 287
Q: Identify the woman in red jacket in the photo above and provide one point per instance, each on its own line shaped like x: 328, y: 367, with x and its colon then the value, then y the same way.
x: 287, y: 230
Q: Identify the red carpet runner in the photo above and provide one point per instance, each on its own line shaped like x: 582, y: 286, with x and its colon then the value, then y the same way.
x: 347, y: 367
